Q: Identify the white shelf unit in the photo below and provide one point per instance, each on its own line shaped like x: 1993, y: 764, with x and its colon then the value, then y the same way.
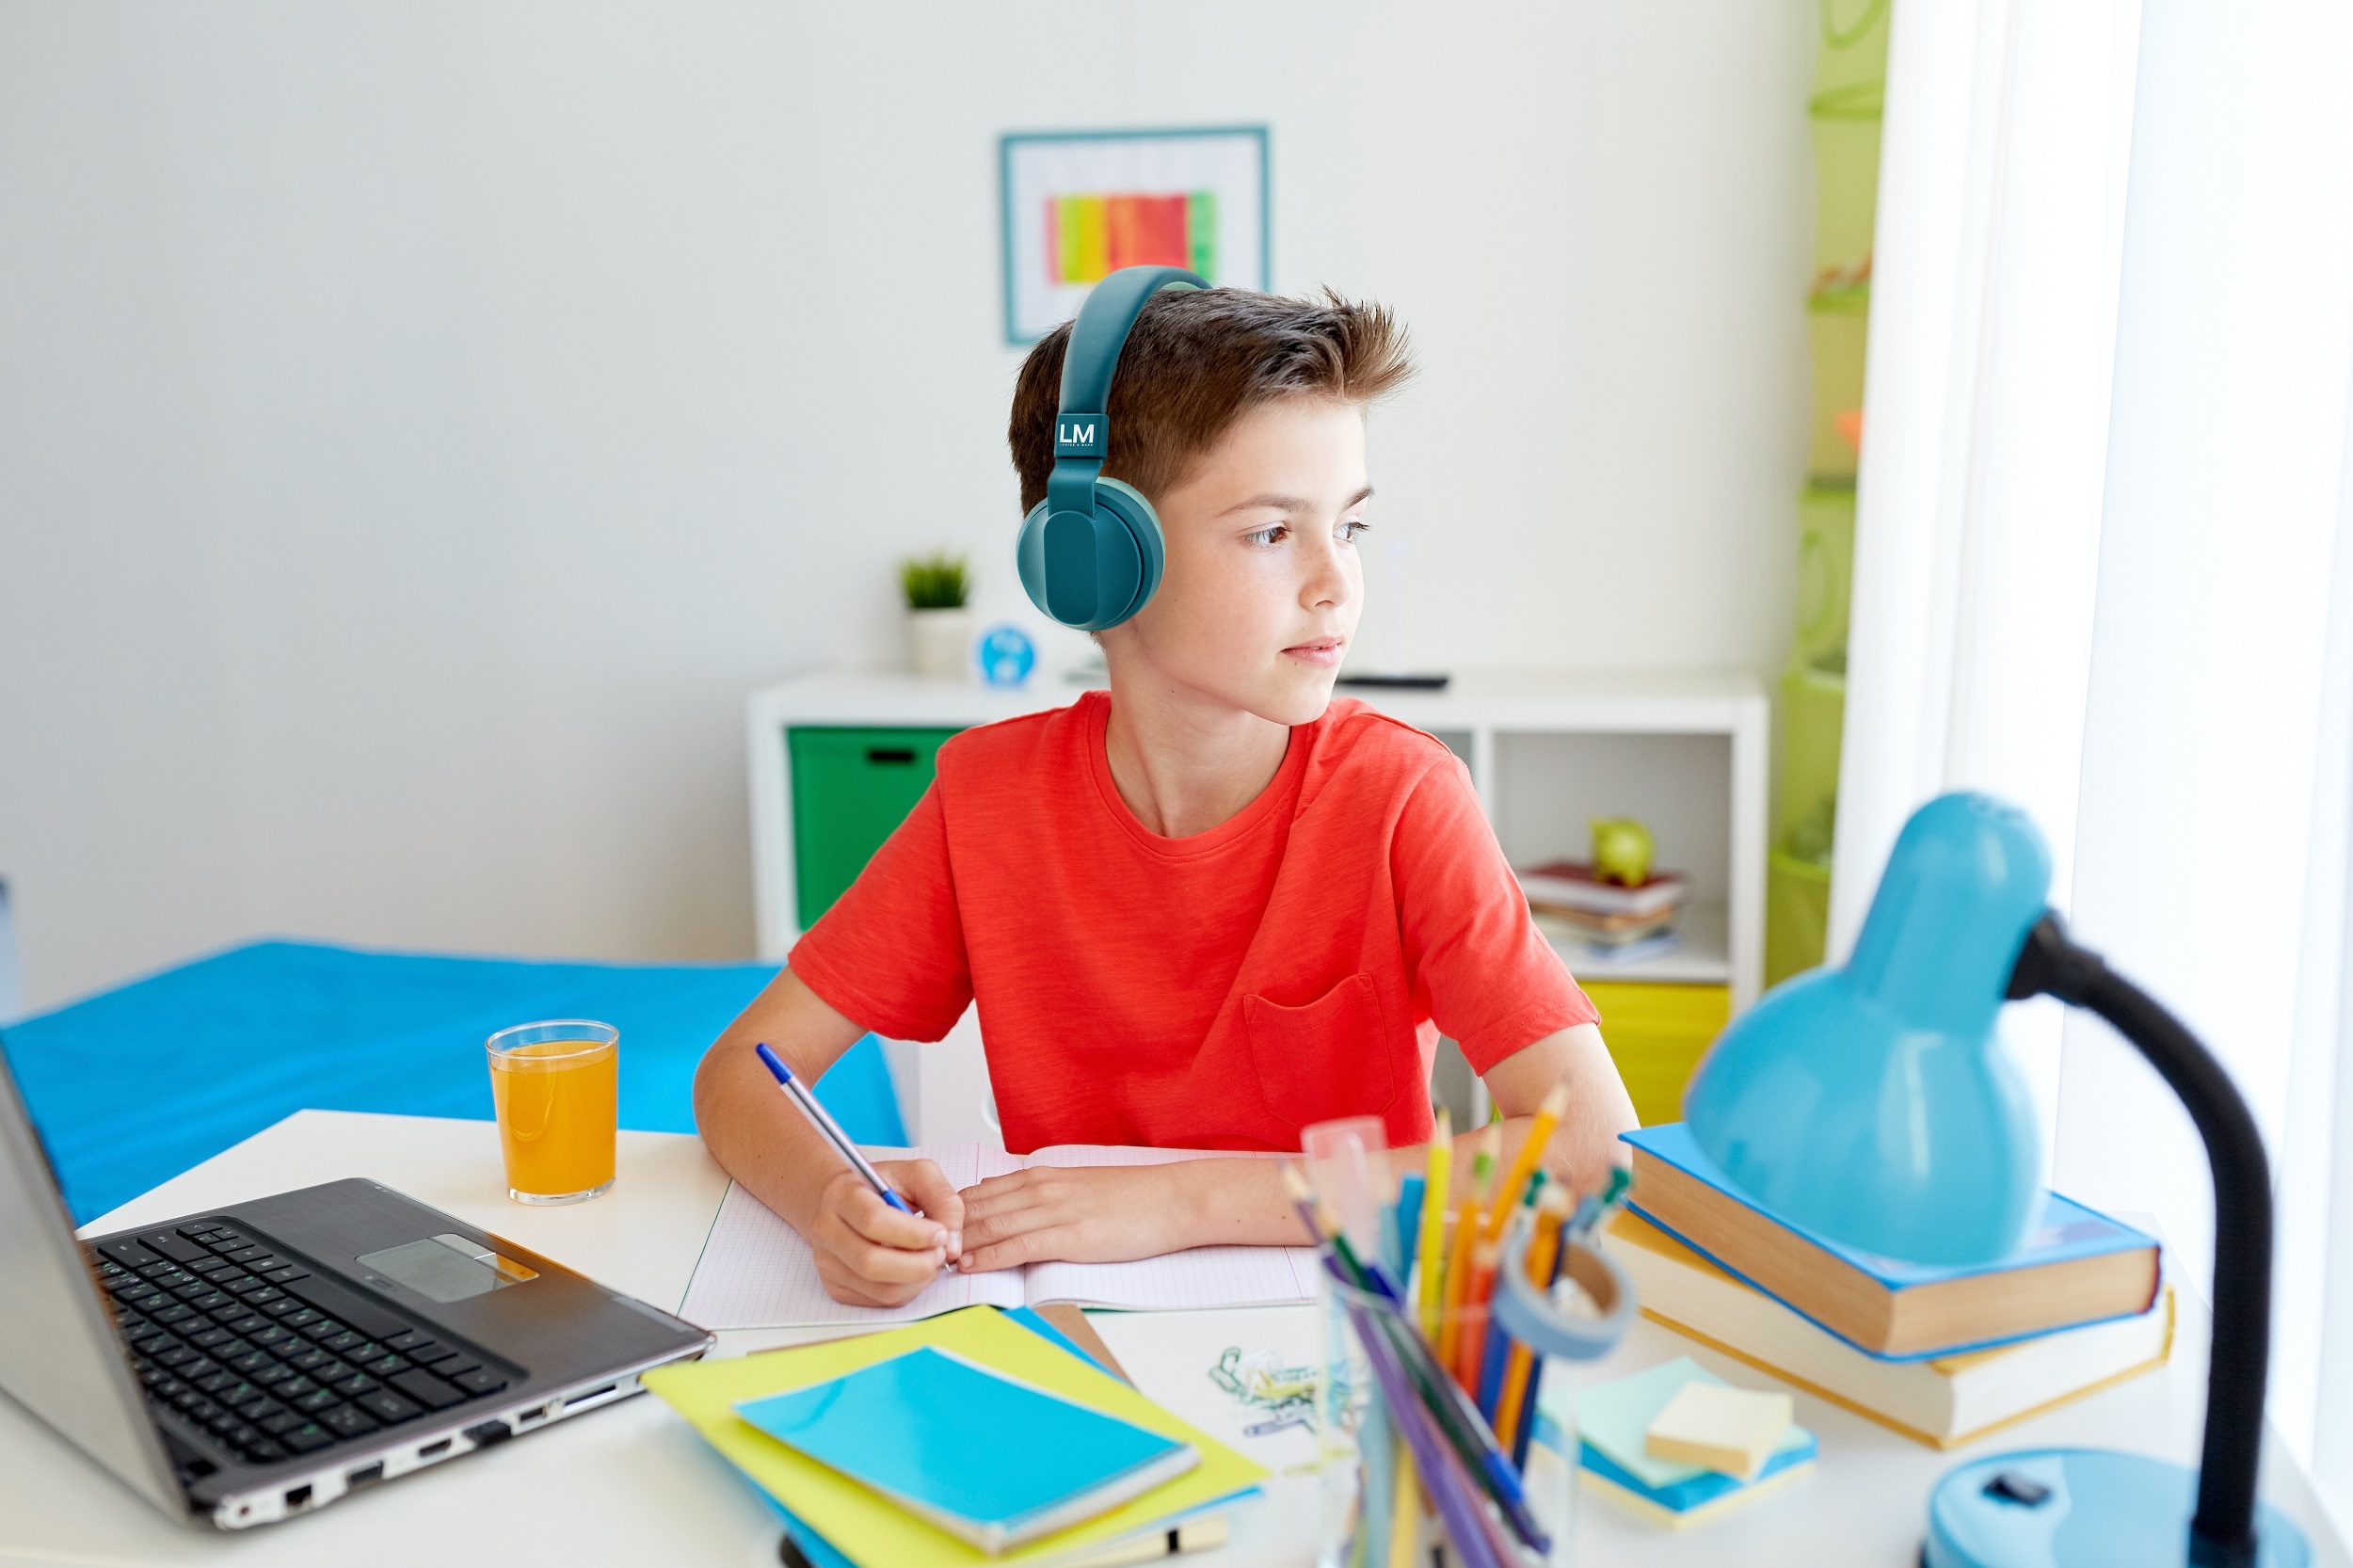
x: 1547, y: 752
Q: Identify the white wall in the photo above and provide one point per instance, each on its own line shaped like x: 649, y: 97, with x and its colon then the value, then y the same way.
x: 421, y: 423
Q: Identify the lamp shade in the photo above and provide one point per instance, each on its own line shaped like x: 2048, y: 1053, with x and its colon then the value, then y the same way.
x: 1873, y: 1103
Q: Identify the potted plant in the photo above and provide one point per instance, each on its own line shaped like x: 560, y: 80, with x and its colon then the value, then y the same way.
x: 939, y: 628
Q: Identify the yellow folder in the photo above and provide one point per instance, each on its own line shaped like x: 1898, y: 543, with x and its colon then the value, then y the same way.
x: 875, y: 1533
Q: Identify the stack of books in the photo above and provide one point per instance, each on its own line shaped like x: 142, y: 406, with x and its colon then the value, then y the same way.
x: 1608, y: 919
x: 1943, y: 1355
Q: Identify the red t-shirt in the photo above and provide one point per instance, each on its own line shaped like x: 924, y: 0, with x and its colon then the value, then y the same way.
x: 1294, y: 964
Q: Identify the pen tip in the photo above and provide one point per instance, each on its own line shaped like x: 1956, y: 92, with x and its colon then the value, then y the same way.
x: 1296, y: 1185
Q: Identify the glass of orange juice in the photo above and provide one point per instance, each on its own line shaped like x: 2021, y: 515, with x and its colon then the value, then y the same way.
x: 556, y: 1089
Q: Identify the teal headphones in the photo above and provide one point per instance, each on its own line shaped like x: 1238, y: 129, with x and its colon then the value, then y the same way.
x: 1090, y: 553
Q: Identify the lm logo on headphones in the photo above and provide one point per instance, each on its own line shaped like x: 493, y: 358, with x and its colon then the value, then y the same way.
x: 1079, y: 437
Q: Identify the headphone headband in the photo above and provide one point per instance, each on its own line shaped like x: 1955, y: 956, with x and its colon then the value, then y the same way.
x: 1092, y: 355
x: 1091, y: 553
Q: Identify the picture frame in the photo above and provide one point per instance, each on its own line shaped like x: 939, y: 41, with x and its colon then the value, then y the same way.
x: 1076, y: 205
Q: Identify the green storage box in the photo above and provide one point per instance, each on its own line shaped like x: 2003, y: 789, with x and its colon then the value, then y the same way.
x: 851, y: 790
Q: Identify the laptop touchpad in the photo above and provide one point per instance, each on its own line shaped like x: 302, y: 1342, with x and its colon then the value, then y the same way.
x: 448, y: 1267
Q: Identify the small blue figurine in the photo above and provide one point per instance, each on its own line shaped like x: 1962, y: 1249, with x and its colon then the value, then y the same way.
x: 1007, y: 656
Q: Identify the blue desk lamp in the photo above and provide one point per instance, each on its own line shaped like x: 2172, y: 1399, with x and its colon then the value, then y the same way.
x: 1872, y: 1104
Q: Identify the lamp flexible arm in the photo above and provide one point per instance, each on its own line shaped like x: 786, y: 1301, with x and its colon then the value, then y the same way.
x: 2222, y: 1531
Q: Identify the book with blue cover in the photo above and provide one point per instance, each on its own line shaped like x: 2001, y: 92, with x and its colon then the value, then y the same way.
x: 988, y: 1459
x: 2078, y: 1266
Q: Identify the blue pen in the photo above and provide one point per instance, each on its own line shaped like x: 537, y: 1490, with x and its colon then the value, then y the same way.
x: 797, y: 1092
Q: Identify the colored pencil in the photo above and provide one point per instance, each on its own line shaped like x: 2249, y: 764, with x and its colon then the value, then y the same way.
x: 1494, y: 1357
x: 1472, y: 1344
x: 1430, y: 1247
x: 1518, y: 1440
x: 1598, y: 1206
x: 1470, y: 1223
x: 1540, y: 1131
x: 1406, y: 1225
x: 1406, y: 1517
x: 1544, y: 1248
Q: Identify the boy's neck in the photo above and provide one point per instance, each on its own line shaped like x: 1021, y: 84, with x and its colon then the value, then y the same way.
x: 1182, y: 761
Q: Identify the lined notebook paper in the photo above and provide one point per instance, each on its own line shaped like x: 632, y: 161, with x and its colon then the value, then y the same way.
x: 757, y: 1273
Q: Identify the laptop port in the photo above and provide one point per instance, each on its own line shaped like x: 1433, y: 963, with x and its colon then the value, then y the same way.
x: 539, y: 1412
x: 298, y: 1497
x: 575, y: 1400
x: 434, y: 1451
x: 367, y: 1474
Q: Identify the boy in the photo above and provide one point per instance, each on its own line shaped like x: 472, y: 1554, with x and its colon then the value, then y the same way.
x: 1205, y: 911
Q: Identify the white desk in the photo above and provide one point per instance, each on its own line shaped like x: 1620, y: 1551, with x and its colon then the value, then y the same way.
x: 632, y: 1484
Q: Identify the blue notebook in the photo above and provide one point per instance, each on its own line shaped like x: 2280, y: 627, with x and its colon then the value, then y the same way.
x: 989, y: 1460
x: 2076, y: 1266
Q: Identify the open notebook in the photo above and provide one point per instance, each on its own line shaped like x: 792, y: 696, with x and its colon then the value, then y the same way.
x: 757, y: 1273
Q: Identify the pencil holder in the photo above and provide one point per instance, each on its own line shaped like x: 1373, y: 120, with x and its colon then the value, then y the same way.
x: 1472, y: 1458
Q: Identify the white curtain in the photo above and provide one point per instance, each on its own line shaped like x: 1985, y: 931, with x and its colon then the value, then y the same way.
x: 2102, y: 568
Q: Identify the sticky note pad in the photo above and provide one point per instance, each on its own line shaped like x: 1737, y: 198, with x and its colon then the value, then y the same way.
x: 1730, y: 1429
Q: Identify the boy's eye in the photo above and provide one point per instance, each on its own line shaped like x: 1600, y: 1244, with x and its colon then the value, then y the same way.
x: 1271, y: 535
x: 1354, y: 529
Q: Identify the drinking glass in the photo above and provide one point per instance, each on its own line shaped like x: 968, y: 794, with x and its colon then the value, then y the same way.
x: 556, y: 1086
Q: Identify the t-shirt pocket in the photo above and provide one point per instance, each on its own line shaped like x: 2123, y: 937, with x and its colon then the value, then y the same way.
x: 1331, y: 1057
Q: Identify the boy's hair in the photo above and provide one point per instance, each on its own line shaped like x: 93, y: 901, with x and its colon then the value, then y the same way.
x: 1196, y: 361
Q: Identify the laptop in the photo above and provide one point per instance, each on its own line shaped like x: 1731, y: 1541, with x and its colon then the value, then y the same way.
x: 244, y: 1365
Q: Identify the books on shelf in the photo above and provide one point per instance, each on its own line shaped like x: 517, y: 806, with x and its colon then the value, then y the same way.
x: 1571, y: 887
x: 1944, y: 1401
x: 1577, y: 946
x: 1590, y: 927
x: 2078, y: 1266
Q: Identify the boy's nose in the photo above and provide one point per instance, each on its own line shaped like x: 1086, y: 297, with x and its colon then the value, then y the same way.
x: 1327, y: 581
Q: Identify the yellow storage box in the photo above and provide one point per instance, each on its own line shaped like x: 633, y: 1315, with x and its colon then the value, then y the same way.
x: 1657, y: 1034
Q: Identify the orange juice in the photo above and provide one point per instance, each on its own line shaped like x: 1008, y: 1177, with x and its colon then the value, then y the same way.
x: 556, y: 1102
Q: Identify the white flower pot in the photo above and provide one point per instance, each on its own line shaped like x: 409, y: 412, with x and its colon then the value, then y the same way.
x: 941, y: 643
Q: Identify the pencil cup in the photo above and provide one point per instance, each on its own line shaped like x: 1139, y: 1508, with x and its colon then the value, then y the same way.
x: 555, y: 1087
x: 1472, y: 1464
x: 1347, y: 1163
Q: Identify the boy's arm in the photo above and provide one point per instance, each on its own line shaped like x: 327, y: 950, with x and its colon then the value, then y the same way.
x: 1105, y: 1214
x: 867, y: 1254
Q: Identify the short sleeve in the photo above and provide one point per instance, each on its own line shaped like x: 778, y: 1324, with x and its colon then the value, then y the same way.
x: 1474, y: 958
x: 890, y: 954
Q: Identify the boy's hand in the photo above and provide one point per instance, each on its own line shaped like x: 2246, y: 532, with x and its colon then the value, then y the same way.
x: 1094, y: 1214
x: 871, y: 1255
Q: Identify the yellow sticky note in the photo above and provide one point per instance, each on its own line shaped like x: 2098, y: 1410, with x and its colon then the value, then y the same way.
x: 876, y: 1534
x: 1731, y: 1430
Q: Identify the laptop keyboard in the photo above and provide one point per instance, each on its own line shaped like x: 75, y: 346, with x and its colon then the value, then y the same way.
x: 271, y: 1360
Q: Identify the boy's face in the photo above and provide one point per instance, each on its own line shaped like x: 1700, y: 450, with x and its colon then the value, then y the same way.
x: 1262, y: 585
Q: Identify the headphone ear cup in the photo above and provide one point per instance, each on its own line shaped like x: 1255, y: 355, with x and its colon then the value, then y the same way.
x: 1029, y: 558
x: 1142, y: 525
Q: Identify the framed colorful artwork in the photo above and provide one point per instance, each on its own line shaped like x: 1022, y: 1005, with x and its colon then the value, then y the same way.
x: 1079, y: 204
